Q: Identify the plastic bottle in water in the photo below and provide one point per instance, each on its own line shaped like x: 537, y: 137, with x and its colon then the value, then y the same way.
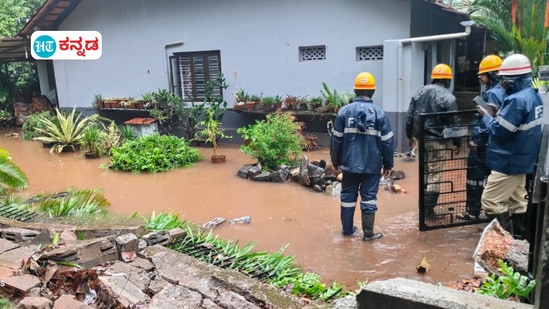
x: 245, y: 219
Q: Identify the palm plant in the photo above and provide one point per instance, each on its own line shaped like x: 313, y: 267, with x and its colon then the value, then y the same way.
x: 11, y: 176
x: 526, y: 34
x: 67, y: 131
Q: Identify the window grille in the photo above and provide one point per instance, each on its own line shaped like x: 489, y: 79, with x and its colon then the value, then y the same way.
x: 368, y: 53
x: 312, y: 53
x: 192, y: 72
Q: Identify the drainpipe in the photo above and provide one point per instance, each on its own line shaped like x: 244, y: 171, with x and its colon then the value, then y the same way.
x: 440, y: 37
x: 166, y: 47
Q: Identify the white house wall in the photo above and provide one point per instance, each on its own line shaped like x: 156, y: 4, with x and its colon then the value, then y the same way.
x: 258, y: 39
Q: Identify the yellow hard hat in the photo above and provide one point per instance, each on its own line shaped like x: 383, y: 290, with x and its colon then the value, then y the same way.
x: 365, y: 81
x: 441, y: 71
x: 490, y: 63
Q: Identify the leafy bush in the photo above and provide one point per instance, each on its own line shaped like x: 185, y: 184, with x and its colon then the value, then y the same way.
x: 510, y: 285
x: 34, y: 122
x: 153, y: 153
x: 274, y: 141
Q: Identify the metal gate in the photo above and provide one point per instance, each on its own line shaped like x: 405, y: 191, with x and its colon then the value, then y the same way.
x: 445, y: 192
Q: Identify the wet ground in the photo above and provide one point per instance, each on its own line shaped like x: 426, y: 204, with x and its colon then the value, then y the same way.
x: 281, y: 213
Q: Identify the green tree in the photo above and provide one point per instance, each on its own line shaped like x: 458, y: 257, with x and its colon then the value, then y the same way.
x: 21, y: 75
x: 525, y: 35
x: 15, y: 13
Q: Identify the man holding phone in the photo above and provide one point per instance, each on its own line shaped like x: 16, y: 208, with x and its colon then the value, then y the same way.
x: 477, y: 171
x: 513, y: 146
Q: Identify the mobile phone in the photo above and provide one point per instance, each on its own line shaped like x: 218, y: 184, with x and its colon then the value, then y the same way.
x: 479, y: 101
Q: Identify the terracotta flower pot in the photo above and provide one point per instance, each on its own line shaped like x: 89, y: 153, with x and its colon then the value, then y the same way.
x: 218, y: 158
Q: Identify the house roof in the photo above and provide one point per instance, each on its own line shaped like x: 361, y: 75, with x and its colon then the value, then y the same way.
x: 14, y: 49
x: 49, y: 16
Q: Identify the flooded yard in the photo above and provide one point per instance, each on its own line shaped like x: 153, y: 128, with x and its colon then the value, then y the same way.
x: 280, y: 213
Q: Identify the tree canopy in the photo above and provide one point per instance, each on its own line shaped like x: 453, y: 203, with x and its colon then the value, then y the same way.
x: 15, y: 13
x: 516, y: 25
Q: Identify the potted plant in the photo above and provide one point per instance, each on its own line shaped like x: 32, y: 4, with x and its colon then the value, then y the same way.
x: 278, y: 102
x: 268, y: 103
x: 128, y: 103
x: 274, y: 141
x: 241, y: 97
x: 316, y: 102
x: 212, y: 132
x: 98, y: 102
x: 65, y: 132
x: 92, y: 142
x: 302, y: 103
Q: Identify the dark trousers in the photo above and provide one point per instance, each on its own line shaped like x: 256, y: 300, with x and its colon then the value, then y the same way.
x: 474, y: 194
x: 352, y: 185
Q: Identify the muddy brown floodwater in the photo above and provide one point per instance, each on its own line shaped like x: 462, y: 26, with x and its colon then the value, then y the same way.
x: 280, y: 213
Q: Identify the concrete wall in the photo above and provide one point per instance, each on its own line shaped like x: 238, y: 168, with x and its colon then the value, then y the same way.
x: 258, y: 39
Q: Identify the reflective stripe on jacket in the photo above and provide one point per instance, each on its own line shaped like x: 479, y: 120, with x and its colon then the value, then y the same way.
x: 515, y: 133
x: 362, y: 139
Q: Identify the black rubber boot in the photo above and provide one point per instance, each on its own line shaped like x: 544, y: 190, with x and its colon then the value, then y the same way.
x: 504, y: 220
x: 517, y: 221
x: 347, y: 214
x: 368, y: 227
x: 429, y: 202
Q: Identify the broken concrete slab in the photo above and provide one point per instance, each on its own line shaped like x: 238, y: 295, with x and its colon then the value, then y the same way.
x: 15, y: 256
x: 19, y: 284
x: 142, y: 263
x: 125, y: 291
x: 19, y: 234
x: 6, y: 245
x: 175, y: 296
x: 68, y: 301
x: 137, y: 276
x: 35, y: 303
x: 179, y: 269
x: 86, y: 253
x: 157, y: 238
x: 127, y: 242
x: 412, y: 294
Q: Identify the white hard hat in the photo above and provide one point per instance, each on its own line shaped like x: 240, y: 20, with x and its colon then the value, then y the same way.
x: 516, y: 64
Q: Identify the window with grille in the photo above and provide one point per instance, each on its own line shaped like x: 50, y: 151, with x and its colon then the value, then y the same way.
x: 192, y: 70
x: 368, y: 53
x: 312, y: 53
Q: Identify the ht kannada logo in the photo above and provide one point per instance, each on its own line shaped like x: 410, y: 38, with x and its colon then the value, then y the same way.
x: 66, y: 45
x: 44, y: 46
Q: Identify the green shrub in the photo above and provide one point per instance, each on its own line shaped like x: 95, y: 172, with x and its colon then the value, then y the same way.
x: 509, y: 285
x: 275, y: 141
x: 153, y: 153
x: 34, y: 122
x: 66, y: 131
